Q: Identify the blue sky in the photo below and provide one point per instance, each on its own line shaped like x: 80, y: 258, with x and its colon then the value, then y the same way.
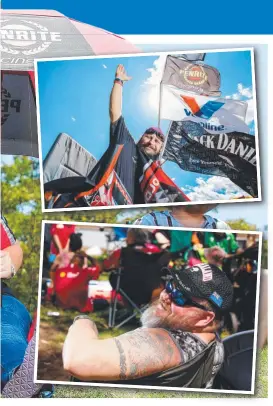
x: 81, y: 109
x: 142, y: 17
x: 74, y: 98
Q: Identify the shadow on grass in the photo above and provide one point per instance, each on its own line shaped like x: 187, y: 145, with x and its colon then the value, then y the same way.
x: 52, y: 333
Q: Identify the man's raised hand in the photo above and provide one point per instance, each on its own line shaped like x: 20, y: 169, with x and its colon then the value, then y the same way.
x: 121, y: 73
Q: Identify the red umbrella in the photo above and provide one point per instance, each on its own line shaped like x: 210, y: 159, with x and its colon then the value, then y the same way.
x: 29, y: 34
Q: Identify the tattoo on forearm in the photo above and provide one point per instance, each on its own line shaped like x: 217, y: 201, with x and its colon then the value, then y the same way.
x: 122, y: 359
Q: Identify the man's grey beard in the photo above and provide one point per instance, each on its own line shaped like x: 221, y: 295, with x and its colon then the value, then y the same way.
x: 149, y: 318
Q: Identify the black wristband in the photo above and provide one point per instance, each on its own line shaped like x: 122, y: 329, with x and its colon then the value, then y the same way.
x: 118, y: 80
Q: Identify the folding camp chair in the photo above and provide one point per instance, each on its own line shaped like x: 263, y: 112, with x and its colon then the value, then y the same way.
x: 236, y: 371
x: 67, y: 158
x: 135, y: 279
x: 118, y: 293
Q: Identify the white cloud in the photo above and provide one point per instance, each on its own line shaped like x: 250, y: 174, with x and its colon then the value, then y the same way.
x: 215, y: 188
x: 73, y: 118
x: 104, y: 66
x: 246, y: 94
x: 151, y: 93
x: 245, y: 91
x: 242, y: 92
x: 156, y: 71
x: 250, y: 111
x: 236, y: 96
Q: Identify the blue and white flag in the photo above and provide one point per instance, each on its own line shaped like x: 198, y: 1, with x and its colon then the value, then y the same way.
x: 216, y: 115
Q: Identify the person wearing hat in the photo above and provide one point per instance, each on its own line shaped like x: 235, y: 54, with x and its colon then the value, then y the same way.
x: 134, y: 153
x: 177, y: 345
x: 129, y: 171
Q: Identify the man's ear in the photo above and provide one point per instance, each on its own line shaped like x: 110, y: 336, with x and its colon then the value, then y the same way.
x: 206, y: 319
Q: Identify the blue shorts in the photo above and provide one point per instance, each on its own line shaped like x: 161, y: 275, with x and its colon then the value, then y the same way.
x: 15, y: 325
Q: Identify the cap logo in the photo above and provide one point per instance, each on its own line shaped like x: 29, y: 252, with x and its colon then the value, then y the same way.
x: 216, y: 298
x: 181, y: 284
x: 206, y: 271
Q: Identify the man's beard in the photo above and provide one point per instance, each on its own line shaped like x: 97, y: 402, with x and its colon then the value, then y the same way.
x: 150, y: 319
x: 152, y: 156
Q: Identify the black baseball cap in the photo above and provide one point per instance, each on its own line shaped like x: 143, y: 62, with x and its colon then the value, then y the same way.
x: 204, y: 281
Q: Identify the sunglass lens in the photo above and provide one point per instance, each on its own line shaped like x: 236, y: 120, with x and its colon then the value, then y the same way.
x: 169, y: 287
x: 178, y: 297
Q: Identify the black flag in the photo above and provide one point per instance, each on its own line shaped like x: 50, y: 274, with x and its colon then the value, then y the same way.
x: 232, y: 155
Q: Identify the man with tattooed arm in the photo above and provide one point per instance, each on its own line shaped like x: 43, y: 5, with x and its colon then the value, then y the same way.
x: 177, y: 345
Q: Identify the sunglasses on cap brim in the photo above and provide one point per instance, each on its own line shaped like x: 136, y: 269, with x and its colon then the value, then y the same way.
x: 157, y: 133
x: 179, y: 298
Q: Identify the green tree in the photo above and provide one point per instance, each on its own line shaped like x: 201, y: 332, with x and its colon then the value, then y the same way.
x: 241, y: 224
x: 21, y: 205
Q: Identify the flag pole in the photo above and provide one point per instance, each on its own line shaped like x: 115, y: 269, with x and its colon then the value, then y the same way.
x: 159, y: 113
x: 164, y: 146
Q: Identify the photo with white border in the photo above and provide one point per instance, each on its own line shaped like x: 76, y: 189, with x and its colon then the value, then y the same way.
x: 103, y: 241
x: 86, y: 174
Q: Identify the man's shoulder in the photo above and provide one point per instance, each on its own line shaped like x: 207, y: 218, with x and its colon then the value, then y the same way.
x: 147, y: 351
x: 119, y: 124
x: 118, y: 121
x: 188, y: 340
x: 222, y: 225
x: 151, y: 338
x: 216, y: 223
x: 155, y: 218
x: 119, y: 130
x: 149, y: 331
x: 192, y: 345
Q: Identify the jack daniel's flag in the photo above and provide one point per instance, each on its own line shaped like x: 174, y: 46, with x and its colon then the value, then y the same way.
x: 232, y: 155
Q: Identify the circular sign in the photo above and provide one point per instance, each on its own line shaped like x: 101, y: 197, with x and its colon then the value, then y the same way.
x: 195, y: 75
x: 25, y: 37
